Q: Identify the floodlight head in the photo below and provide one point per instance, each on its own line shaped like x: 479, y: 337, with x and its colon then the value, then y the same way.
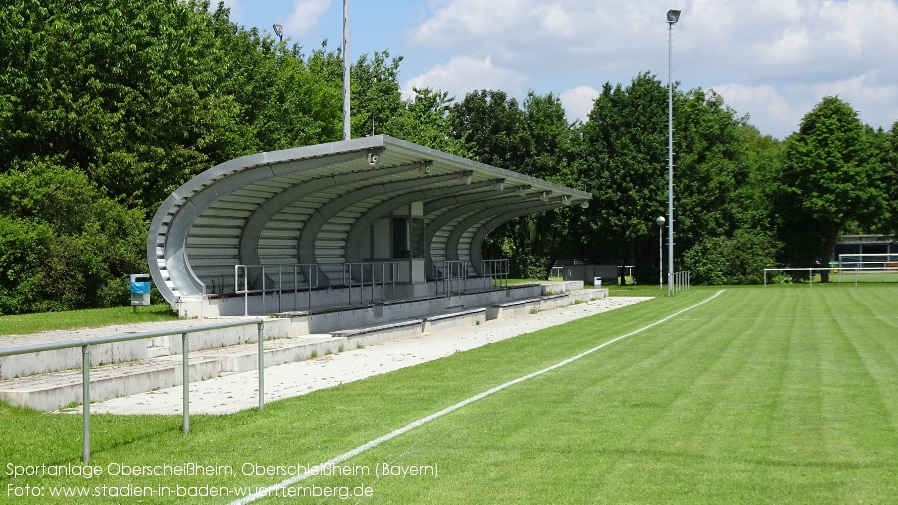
x: 660, y: 220
x: 278, y: 30
x: 673, y: 16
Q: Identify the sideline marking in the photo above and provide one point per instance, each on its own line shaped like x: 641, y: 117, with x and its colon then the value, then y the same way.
x: 316, y: 470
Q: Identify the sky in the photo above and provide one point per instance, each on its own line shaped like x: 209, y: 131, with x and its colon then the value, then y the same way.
x: 773, y: 60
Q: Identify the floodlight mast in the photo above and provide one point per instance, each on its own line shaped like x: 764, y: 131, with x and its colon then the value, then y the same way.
x: 660, y: 222
x: 346, y: 127
x: 672, y: 17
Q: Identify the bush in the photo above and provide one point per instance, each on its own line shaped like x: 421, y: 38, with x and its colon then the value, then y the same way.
x: 63, y: 244
x: 740, y: 259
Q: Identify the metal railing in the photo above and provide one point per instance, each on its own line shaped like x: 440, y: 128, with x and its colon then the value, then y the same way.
x: 810, y: 272
x: 389, y: 272
x: 556, y: 272
x: 496, y: 271
x: 294, y: 270
x: 678, y: 281
x: 455, y: 271
x: 85, y: 344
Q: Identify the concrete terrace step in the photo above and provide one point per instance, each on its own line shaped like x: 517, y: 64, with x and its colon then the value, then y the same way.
x: 411, y: 328
x: 381, y: 333
x: 209, y: 359
x: 244, y: 358
x: 58, y: 389
x: 63, y: 359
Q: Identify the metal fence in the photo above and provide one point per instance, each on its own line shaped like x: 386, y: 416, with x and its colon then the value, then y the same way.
x: 810, y: 272
x: 678, y: 281
x: 449, y: 273
x: 85, y: 344
x: 308, y: 270
x: 389, y: 271
x: 496, y: 271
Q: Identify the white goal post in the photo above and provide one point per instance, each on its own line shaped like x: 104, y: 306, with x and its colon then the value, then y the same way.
x: 869, y: 267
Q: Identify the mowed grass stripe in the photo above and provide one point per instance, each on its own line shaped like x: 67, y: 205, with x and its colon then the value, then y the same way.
x: 760, y: 423
x: 306, y: 429
x: 604, y: 429
x: 874, y: 357
x: 340, y: 459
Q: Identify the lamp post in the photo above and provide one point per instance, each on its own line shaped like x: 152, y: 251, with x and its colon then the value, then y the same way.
x: 672, y: 17
x: 346, y: 122
x: 660, y: 221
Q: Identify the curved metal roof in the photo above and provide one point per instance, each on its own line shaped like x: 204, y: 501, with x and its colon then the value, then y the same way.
x: 313, y: 205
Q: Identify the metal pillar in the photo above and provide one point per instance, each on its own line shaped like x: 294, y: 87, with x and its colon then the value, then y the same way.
x: 670, y: 214
x: 261, y: 367
x: 185, y: 339
x: 346, y: 64
x: 85, y: 402
x: 660, y: 259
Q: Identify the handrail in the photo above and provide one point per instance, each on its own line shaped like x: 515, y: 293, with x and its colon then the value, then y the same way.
x: 453, y: 270
x: 373, y: 282
x: 679, y: 281
x: 85, y: 344
x: 307, y: 267
x: 810, y: 272
x: 496, y: 270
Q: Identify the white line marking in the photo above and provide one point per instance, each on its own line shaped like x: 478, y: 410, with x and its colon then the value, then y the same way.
x: 262, y: 493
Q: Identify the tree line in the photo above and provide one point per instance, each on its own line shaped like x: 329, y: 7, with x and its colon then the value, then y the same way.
x: 107, y: 106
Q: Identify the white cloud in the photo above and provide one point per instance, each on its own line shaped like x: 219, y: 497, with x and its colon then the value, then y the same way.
x: 779, y: 56
x: 305, y: 17
x: 578, y: 102
x: 463, y: 74
x: 877, y: 104
x: 768, y: 110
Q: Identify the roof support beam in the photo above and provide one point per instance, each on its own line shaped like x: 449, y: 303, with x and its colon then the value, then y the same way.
x: 309, y: 236
x: 177, y: 262
x: 492, y: 224
x: 386, y: 208
x: 252, y: 229
x: 447, y: 217
x: 472, y: 222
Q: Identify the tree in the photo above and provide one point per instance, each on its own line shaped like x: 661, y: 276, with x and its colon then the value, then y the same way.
x: 375, y: 93
x: 424, y: 119
x: 740, y: 259
x: 831, y: 178
x: 535, y: 140
x: 63, y: 244
x: 623, y: 163
x: 886, y: 145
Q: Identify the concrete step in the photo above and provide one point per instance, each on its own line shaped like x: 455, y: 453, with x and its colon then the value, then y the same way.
x: 245, y: 358
x: 103, y: 354
x: 58, y: 389
x: 162, y: 369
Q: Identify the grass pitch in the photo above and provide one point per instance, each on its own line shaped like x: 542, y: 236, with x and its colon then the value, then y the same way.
x: 23, y: 324
x: 778, y: 395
